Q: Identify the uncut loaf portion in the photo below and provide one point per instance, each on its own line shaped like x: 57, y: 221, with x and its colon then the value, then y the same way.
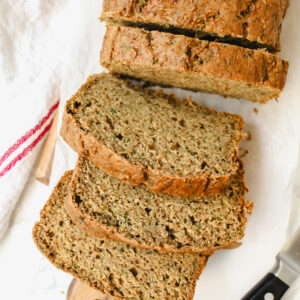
x: 248, y: 23
x: 138, y: 135
x: 105, y: 206
x: 180, y: 61
x: 113, y: 268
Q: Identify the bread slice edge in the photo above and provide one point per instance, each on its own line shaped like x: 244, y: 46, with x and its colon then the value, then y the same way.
x: 95, y: 228
x: 134, y: 174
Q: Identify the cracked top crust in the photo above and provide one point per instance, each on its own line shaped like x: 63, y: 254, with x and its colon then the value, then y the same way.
x: 181, y: 61
x: 254, y: 23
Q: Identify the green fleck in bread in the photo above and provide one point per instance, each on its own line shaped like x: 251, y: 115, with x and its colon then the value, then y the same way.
x: 249, y: 23
x: 113, y: 268
x: 107, y: 207
x: 143, y: 136
x: 185, y: 62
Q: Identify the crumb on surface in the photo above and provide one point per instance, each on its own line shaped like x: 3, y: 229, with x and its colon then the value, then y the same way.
x: 249, y: 136
x: 255, y: 110
x: 244, y: 153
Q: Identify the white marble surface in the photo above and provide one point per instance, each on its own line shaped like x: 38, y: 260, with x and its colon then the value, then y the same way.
x: 26, y: 274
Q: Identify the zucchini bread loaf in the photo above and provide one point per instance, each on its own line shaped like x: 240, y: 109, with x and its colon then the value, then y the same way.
x: 105, y: 206
x: 113, y: 268
x: 180, y: 61
x: 250, y: 23
x: 138, y: 135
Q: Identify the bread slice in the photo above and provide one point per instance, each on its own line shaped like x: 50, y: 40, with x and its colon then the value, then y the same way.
x: 104, y: 206
x: 185, y: 62
x: 138, y: 135
x: 255, y: 24
x: 113, y: 268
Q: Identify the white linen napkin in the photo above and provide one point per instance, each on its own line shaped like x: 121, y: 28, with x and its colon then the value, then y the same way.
x: 270, y: 165
x: 33, y: 40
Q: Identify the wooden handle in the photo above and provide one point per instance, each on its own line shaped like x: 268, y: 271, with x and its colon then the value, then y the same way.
x: 44, y: 168
x: 81, y: 291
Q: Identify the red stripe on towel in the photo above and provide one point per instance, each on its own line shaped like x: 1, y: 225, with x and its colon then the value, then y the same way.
x: 28, y: 134
x: 26, y: 150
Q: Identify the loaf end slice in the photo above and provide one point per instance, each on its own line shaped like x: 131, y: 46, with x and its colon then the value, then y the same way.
x: 138, y: 135
x: 105, y: 206
x: 180, y: 61
x: 113, y: 268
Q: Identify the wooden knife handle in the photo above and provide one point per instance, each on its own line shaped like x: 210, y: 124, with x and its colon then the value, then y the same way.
x: 44, y: 167
x: 269, y: 284
x: 78, y: 290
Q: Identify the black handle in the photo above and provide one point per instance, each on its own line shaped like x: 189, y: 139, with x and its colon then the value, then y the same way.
x: 269, y: 284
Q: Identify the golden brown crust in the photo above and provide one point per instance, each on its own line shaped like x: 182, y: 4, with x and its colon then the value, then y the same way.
x: 195, y: 64
x: 253, y: 21
x: 177, y: 186
x: 96, y: 228
x: 133, y: 174
x: 54, y: 193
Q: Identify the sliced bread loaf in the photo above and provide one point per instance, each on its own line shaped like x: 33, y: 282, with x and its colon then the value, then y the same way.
x: 105, y: 206
x: 185, y: 62
x: 113, y: 268
x: 250, y: 23
x: 138, y: 135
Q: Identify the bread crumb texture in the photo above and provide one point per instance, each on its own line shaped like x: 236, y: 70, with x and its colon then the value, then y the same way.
x: 140, y: 135
x: 113, y: 268
x: 102, y: 204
